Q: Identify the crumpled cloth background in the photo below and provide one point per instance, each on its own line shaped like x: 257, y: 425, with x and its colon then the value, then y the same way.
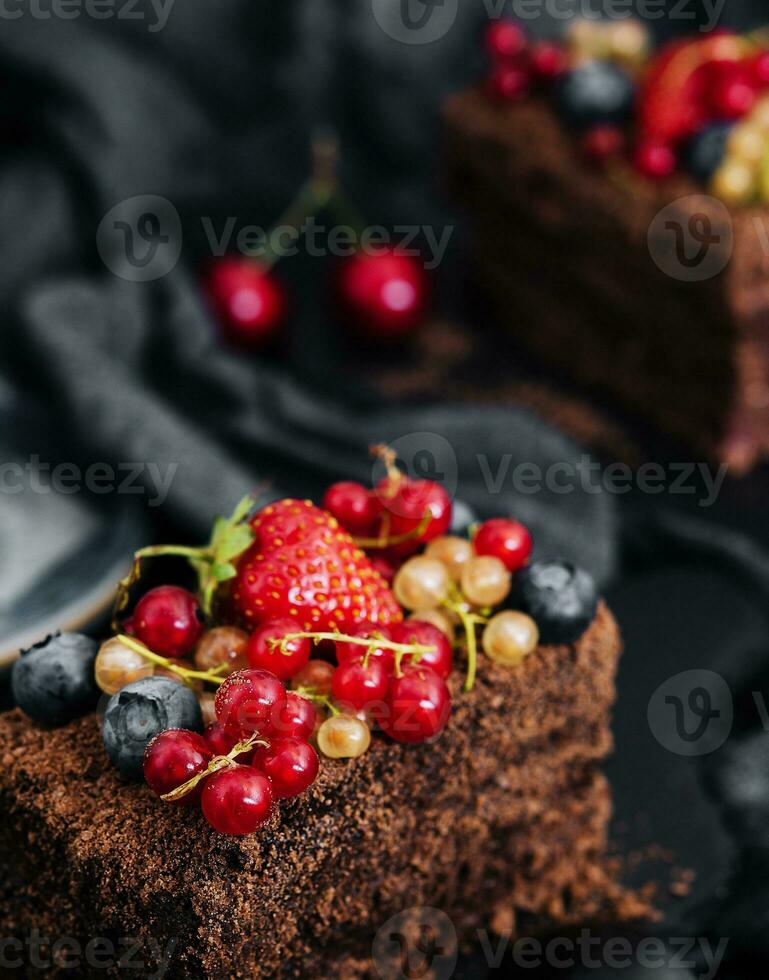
x: 214, y: 112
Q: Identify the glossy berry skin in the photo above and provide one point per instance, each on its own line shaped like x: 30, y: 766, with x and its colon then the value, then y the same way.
x: 596, y: 93
x: 249, y: 302
x: 168, y: 620
x: 602, y: 143
x: 654, y: 160
x: 222, y: 742
x: 505, y: 40
x: 139, y: 712
x: 439, y: 658
x: 407, y: 503
x: 174, y: 757
x: 759, y: 69
x: 548, y: 61
x: 302, y: 565
x: 418, y: 706
x: 732, y: 90
x: 385, y: 294
x: 316, y: 676
x: 705, y: 152
x: 352, y: 651
x: 222, y: 645
x: 352, y: 505
x: 262, y: 655
x: 509, y: 83
x: 298, y: 719
x: 357, y: 685
x: 507, y: 540
x: 560, y: 597
x: 237, y: 801
x: 291, y: 765
x: 250, y: 701
x: 53, y: 682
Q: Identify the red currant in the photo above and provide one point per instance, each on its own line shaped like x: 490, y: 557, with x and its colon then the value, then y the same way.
x: 654, y: 160
x: 602, y: 143
x: 507, y: 540
x: 352, y: 651
x: 509, y: 83
x: 250, y: 701
x: 291, y: 765
x: 283, y: 663
x: 359, y: 685
x: 298, y: 719
x: 418, y: 706
x: 759, y: 69
x: 237, y: 800
x: 548, y: 61
x: 505, y: 40
x: 220, y: 741
x: 168, y: 620
x: 439, y: 658
x: 172, y: 759
x: 408, y: 504
x: 732, y: 89
x: 352, y: 505
x: 385, y: 293
x: 249, y: 302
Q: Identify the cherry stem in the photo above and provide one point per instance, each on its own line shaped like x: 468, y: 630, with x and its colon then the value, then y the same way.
x: 216, y: 764
x: 312, y: 694
x: 187, y: 675
x: 385, y: 542
x: 372, y: 643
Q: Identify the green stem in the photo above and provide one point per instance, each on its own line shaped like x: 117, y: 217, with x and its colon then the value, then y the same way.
x: 184, y: 673
x: 312, y: 694
x: 218, y: 763
x: 182, y: 551
x: 383, y: 644
x: 468, y: 622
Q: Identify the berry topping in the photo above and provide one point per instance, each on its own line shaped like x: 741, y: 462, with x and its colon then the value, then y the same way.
x: 346, y: 651
x: 173, y: 758
x: 509, y: 637
x: 421, y: 583
x: 249, y: 302
x: 222, y: 646
x: 507, y: 540
x: 297, y: 719
x: 706, y: 150
x: 53, y: 682
x: 417, y: 510
x: 418, y: 706
x: 759, y: 69
x: 360, y: 682
x: 485, y: 581
x: 220, y: 741
x: 509, y: 83
x: 250, y: 701
x: 290, y: 764
x: 352, y: 505
x: 168, y: 620
x: 731, y: 90
x: 505, y: 40
x: 303, y: 565
x: 237, y: 800
x: 559, y: 597
x: 268, y: 650
x: 315, y: 677
x: 453, y: 551
x: 384, y: 293
x: 344, y: 737
x: 602, y: 143
x: 654, y: 160
x: 438, y: 657
x: 548, y: 61
x: 139, y: 712
x: 117, y: 665
x: 596, y: 93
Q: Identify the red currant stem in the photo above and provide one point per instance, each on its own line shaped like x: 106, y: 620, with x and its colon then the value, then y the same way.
x: 402, y: 648
x: 386, y: 542
x: 216, y: 764
x: 311, y: 693
x: 389, y: 458
x: 184, y: 673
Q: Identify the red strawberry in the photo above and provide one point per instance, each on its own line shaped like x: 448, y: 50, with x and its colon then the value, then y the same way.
x: 304, y: 566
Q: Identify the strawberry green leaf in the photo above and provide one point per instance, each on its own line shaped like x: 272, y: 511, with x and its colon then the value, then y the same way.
x: 233, y: 542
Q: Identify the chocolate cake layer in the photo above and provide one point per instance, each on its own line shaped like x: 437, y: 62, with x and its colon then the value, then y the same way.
x: 505, y: 813
x: 567, y: 254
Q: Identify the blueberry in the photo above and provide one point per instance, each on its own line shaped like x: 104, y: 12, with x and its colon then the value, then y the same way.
x: 462, y: 517
x: 595, y: 93
x: 560, y: 598
x: 142, y: 710
x: 53, y: 682
x: 705, y: 152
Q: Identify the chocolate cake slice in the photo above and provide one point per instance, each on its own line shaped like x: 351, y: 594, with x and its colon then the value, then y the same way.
x: 592, y: 275
x: 500, y: 821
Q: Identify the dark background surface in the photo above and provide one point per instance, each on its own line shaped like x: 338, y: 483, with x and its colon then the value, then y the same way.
x: 214, y: 113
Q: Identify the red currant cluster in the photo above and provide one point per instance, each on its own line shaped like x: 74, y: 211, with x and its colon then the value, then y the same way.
x: 518, y: 65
